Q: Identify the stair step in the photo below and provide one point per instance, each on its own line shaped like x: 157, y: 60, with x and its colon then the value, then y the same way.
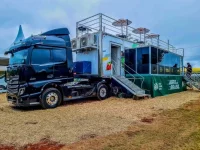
x: 193, y: 81
x: 133, y: 88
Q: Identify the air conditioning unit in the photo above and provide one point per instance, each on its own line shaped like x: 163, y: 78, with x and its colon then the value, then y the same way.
x: 84, y: 41
x: 88, y: 40
x: 75, y: 43
x: 93, y: 39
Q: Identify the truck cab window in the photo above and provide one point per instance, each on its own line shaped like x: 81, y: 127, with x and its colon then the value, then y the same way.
x: 19, y: 57
x: 59, y: 55
x: 40, y: 56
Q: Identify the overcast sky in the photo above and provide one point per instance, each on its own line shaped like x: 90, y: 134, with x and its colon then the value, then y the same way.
x: 176, y: 20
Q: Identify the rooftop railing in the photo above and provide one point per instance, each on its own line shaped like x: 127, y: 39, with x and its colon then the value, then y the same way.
x: 103, y: 23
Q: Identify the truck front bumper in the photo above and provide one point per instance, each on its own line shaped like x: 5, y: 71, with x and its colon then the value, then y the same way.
x: 25, y: 100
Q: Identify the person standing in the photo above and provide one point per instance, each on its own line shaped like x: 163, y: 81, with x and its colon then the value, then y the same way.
x: 189, y: 70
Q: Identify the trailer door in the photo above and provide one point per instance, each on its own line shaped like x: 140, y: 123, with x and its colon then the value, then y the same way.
x: 115, y: 59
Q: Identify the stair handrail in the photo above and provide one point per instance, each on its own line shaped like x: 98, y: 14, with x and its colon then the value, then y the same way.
x: 124, y: 70
x: 113, y: 65
x: 141, y: 77
x: 191, y: 79
x: 134, y: 78
x: 131, y: 75
x: 196, y: 74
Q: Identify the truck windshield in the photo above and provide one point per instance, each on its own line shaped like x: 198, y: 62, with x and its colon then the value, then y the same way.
x: 19, y: 57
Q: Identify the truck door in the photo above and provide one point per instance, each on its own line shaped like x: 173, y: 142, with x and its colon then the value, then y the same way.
x: 59, y: 58
x: 41, y: 64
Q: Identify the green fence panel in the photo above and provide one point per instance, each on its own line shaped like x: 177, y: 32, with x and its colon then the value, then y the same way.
x: 160, y: 85
x: 164, y: 85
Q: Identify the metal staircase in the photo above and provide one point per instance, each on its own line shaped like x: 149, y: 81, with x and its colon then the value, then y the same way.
x: 192, y: 80
x: 130, y: 86
x: 126, y: 83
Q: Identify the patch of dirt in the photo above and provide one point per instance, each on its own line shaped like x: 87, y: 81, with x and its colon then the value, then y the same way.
x: 131, y: 133
x: 31, y: 122
x: 147, y: 120
x: 192, y: 106
x: 5, y: 147
x: 44, y: 144
x: 88, y: 136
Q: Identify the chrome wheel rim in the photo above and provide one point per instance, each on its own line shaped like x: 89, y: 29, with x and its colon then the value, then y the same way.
x: 103, y: 92
x: 52, y: 98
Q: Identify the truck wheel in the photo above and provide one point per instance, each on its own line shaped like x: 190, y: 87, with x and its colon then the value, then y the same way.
x: 102, y: 92
x: 51, y: 98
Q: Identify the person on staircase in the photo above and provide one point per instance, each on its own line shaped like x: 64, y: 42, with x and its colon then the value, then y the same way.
x: 189, y: 70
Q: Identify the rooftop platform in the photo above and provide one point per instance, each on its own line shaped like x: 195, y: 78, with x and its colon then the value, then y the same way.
x: 107, y: 25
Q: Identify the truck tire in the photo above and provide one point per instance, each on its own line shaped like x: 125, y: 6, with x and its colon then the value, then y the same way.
x: 51, y: 98
x: 102, y: 92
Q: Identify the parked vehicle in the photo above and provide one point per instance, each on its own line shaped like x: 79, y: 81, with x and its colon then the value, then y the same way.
x: 40, y: 72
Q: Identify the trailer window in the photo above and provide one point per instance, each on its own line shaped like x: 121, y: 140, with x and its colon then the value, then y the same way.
x: 143, y: 60
x: 40, y: 56
x: 59, y: 55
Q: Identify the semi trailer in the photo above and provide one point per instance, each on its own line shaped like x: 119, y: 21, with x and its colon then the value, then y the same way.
x: 40, y: 72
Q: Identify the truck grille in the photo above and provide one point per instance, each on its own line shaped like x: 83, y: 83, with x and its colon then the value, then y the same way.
x: 13, y: 84
x: 10, y: 89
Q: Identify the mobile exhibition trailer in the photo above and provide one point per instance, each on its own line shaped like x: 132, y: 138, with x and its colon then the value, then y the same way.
x: 114, y: 49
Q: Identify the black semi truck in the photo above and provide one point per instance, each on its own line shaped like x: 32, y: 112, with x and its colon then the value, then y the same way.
x: 40, y: 72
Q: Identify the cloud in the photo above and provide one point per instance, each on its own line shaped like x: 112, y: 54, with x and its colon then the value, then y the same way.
x: 37, y: 16
x: 177, y: 20
x: 7, y: 36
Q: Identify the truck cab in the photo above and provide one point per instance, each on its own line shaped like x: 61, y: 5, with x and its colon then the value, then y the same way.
x: 40, y: 72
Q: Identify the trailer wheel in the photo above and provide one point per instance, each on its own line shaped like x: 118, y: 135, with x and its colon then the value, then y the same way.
x: 51, y: 98
x: 102, y: 92
x: 122, y: 95
x: 115, y: 90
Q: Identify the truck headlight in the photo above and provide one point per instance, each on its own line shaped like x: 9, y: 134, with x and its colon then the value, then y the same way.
x: 21, y: 91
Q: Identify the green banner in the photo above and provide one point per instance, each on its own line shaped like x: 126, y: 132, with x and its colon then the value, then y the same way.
x: 160, y: 85
x: 163, y: 85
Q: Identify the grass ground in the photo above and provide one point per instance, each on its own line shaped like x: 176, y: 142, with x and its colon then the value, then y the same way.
x: 177, y: 129
x: 111, y: 124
